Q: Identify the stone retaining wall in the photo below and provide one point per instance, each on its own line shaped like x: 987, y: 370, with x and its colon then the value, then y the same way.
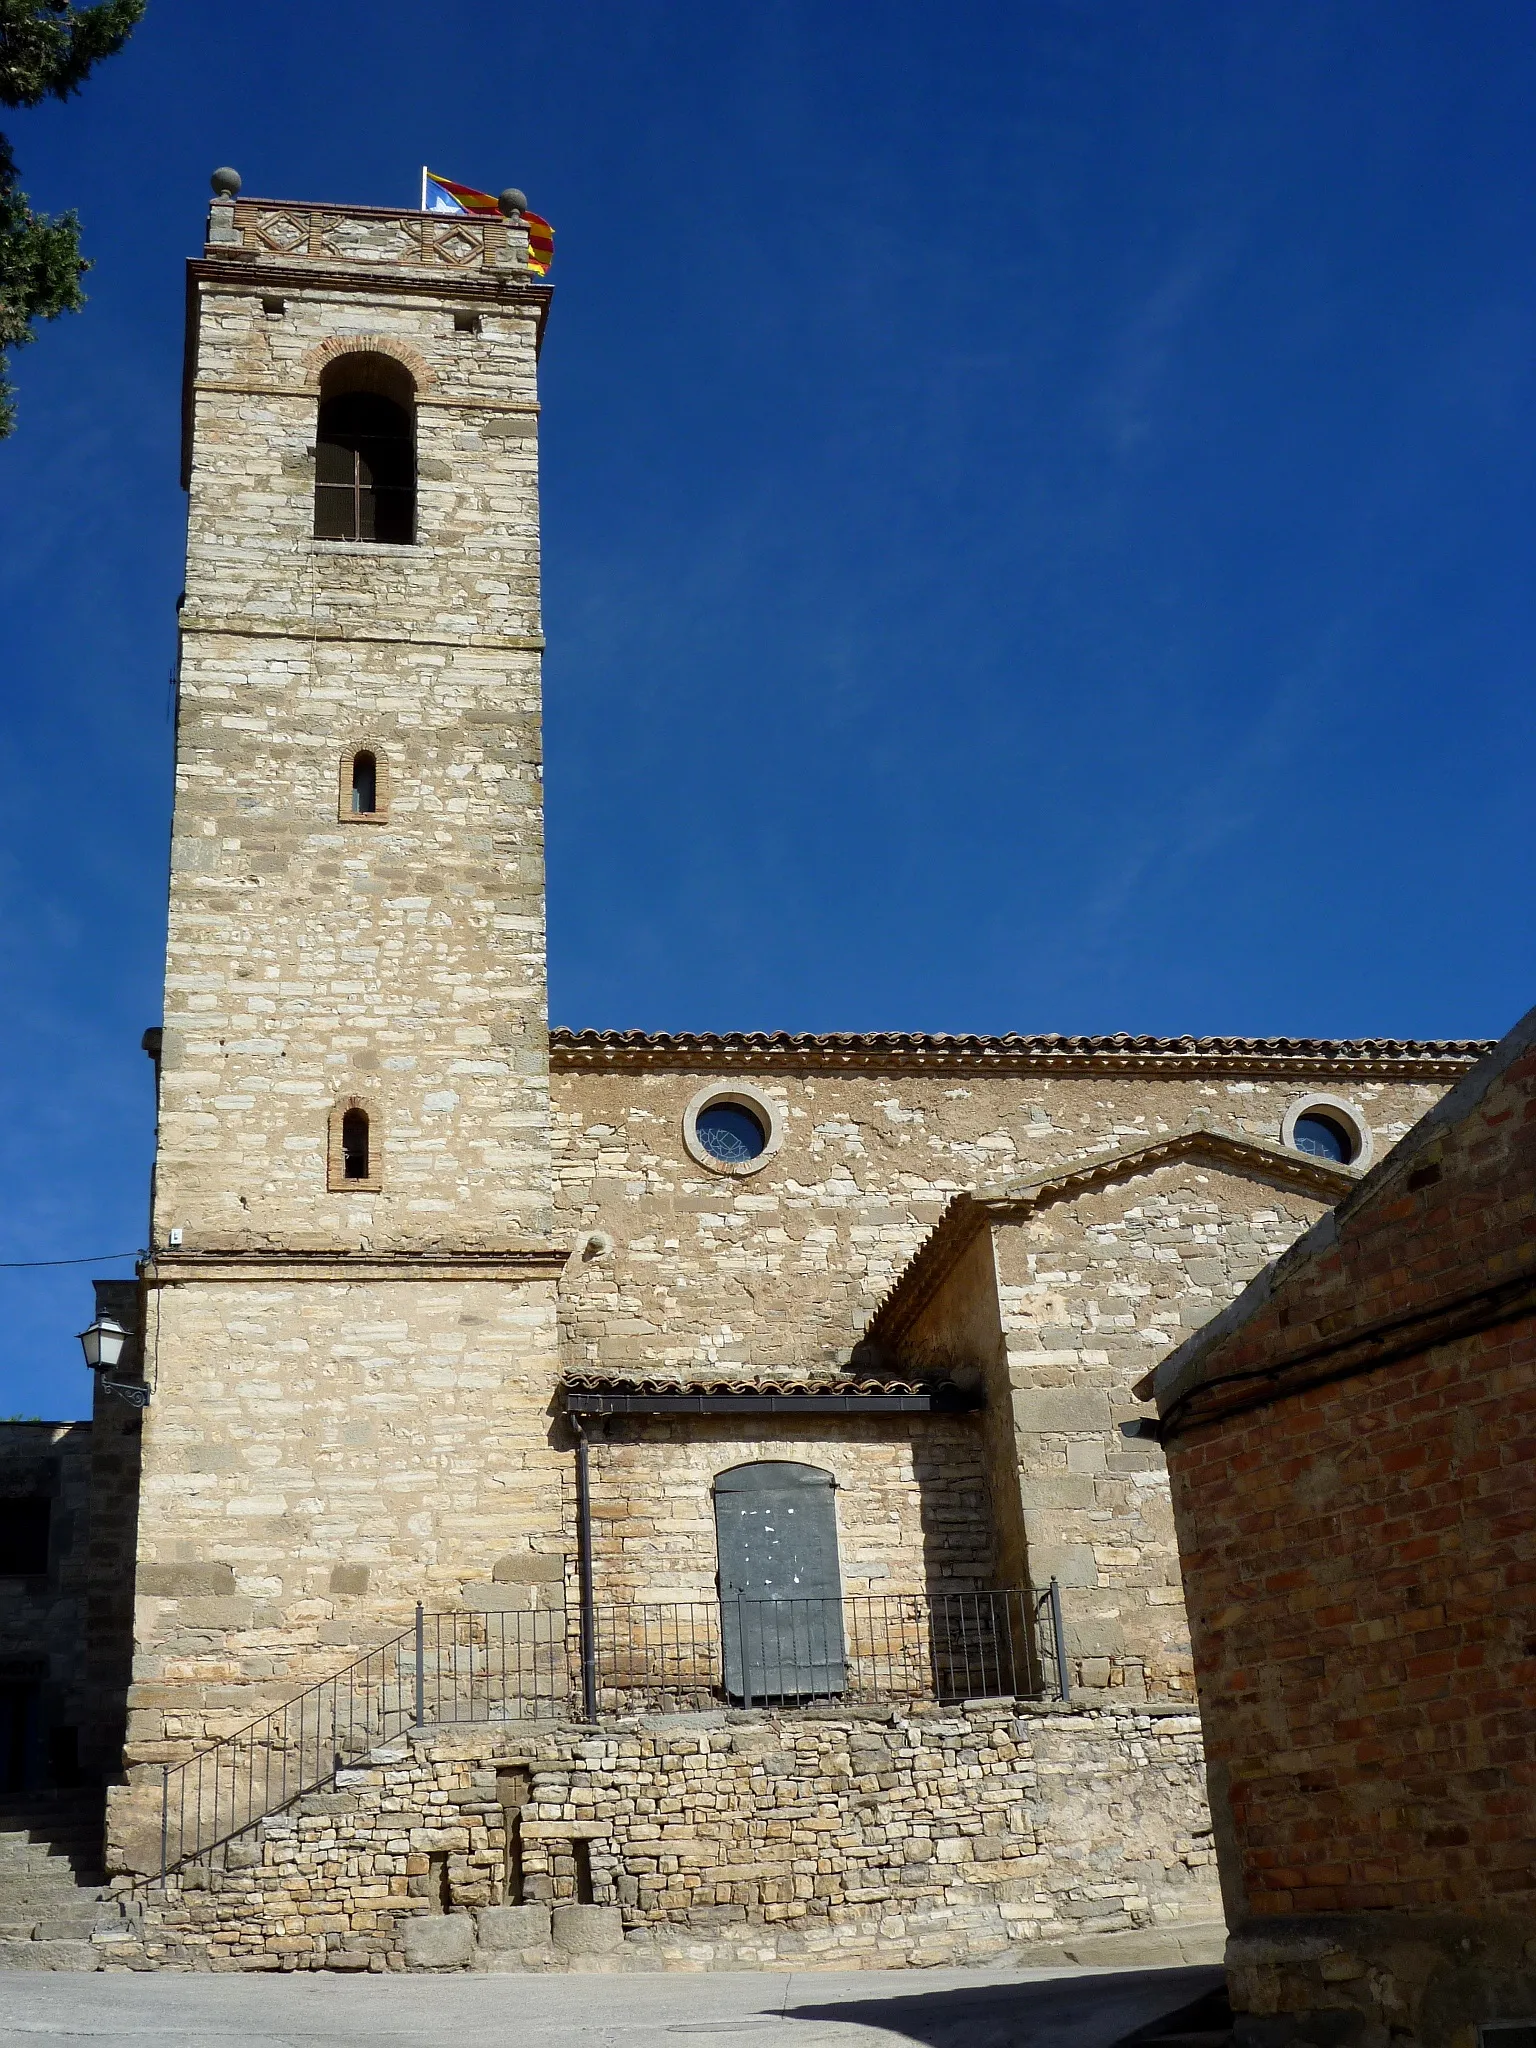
x: 720, y: 1840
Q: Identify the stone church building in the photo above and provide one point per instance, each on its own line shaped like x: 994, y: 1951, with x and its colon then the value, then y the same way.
x: 603, y: 1342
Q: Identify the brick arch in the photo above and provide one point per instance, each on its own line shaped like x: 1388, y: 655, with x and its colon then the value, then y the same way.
x: 339, y: 345
x: 335, y: 1164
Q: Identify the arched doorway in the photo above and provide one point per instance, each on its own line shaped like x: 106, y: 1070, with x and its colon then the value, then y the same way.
x: 781, y: 1590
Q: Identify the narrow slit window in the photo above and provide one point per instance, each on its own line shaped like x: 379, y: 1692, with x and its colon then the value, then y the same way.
x: 365, y: 784
x: 354, y: 1145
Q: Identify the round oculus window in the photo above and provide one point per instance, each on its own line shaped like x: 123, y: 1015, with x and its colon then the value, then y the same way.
x: 731, y: 1133
x: 1324, y: 1137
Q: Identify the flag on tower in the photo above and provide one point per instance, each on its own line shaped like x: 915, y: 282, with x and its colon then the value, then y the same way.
x: 442, y: 195
x: 541, y: 244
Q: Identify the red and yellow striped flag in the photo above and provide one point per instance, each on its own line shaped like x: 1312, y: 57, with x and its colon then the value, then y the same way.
x: 541, y: 244
x: 442, y: 195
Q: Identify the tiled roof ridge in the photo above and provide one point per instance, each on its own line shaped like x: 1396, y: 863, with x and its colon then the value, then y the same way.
x: 596, y: 1381
x: 854, y: 1048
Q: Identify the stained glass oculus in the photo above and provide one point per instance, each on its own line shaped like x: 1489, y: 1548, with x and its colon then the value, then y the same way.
x: 730, y: 1132
x: 1324, y: 1137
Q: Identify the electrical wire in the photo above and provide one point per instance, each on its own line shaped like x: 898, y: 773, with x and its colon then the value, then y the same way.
x: 100, y: 1259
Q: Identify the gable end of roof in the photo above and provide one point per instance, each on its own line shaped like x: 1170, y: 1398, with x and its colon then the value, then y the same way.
x: 952, y: 1235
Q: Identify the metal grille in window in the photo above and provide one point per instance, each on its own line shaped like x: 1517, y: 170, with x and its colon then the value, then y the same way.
x: 365, y: 470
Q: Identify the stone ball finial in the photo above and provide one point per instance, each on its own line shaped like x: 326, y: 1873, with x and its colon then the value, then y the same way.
x: 512, y: 201
x: 225, y: 182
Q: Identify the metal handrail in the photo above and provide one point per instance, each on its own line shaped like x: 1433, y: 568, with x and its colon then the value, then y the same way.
x: 608, y: 1660
x: 224, y: 1788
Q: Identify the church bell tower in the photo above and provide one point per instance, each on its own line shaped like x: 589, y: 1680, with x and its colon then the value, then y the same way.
x: 350, y: 1328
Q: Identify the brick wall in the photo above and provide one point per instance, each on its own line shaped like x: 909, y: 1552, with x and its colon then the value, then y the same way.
x: 1352, y: 1455
x: 1361, y: 1565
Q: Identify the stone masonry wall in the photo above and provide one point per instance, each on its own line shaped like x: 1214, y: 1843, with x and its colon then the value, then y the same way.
x: 42, y: 1615
x: 783, y: 1268
x: 314, y: 956
x: 117, y: 1427
x: 1093, y: 1291
x: 911, y: 1501
x: 324, y: 1457
x: 1059, y: 1303
x: 721, y: 1840
x: 351, y: 1380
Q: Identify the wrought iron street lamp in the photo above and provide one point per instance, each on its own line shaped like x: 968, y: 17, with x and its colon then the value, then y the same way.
x: 103, y: 1343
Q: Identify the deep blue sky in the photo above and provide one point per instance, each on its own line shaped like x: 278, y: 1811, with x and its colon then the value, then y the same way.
x: 1038, y: 522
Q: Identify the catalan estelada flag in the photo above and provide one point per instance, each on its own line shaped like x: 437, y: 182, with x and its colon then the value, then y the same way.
x: 541, y: 244
x: 441, y: 195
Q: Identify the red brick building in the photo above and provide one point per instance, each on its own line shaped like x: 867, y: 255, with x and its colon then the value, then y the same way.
x: 1352, y: 1446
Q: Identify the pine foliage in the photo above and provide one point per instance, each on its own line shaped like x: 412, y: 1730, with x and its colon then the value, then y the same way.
x: 47, y: 49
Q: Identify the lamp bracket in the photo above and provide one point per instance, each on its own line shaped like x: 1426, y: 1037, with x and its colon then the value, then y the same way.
x: 134, y: 1392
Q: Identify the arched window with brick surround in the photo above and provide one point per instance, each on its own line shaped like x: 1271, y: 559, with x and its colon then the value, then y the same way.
x: 352, y: 1149
x: 365, y: 451
x: 363, y: 783
x: 354, y: 1144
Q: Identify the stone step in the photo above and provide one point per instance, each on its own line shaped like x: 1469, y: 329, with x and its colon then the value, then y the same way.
x: 53, y: 1845
x: 49, y: 1955
x: 50, y: 1889
x: 66, y: 1926
x: 21, y: 1836
x: 57, y: 1898
x: 45, y: 1856
x: 20, y: 1888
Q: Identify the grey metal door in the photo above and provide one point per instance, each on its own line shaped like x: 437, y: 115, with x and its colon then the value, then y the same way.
x: 781, y: 1592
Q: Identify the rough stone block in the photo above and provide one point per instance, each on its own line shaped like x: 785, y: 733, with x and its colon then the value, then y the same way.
x: 529, y: 1570
x: 1038, y: 1411
x: 587, y: 1930
x: 439, y: 1941
x: 512, y: 1927
x: 48, y: 1955
x: 186, y: 1581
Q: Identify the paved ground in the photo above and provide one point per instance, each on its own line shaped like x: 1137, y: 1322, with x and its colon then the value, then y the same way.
x: 995, y: 2006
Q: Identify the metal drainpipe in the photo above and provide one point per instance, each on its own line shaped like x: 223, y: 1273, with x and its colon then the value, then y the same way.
x: 584, y: 1564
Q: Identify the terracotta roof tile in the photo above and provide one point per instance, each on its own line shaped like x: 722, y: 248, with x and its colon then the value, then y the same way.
x: 1405, y: 1058
x: 747, y: 1383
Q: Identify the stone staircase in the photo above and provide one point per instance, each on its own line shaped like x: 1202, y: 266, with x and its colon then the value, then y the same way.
x: 51, y: 1890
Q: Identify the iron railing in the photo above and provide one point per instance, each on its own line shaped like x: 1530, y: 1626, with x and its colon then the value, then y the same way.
x: 866, y: 1650
x: 610, y: 1660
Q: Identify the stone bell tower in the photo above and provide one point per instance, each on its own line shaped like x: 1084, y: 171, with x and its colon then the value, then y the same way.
x: 350, y: 1328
